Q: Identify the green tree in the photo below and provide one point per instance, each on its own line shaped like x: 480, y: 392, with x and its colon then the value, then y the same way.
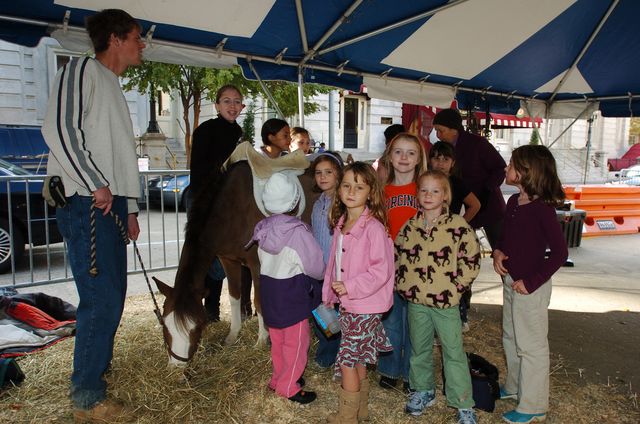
x: 248, y: 125
x: 189, y: 81
x: 195, y: 83
x: 634, y: 129
x: 535, y: 137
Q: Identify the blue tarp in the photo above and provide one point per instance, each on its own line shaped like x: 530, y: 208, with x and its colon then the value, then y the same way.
x: 495, y: 51
x: 25, y: 147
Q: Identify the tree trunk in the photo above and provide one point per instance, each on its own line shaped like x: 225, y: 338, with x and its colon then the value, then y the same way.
x: 187, y: 130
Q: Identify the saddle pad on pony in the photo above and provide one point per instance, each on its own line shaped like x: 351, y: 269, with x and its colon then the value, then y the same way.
x: 263, y: 167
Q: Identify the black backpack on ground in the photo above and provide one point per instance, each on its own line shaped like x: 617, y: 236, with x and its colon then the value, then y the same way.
x: 484, y: 382
x: 484, y: 379
x: 10, y: 372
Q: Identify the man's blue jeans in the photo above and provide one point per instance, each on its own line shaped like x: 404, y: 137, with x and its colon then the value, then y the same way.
x: 101, y: 297
x: 395, y: 364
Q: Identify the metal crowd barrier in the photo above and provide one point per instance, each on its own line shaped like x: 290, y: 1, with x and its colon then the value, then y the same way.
x: 25, y: 220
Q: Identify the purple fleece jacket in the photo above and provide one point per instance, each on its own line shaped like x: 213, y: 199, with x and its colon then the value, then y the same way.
x: 291, y: 267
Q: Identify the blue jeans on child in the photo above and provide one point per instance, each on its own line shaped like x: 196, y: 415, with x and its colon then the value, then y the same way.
x: 327, y: 347
x: 395, y: 364
x: 101, y: 297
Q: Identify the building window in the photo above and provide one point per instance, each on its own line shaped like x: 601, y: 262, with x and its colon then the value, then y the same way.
x: 63, y: 59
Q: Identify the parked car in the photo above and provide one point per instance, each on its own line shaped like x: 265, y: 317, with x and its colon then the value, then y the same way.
x: 24, y: 146
x: 628, y: 176
x: 170, y: 189
x: 37, y: 221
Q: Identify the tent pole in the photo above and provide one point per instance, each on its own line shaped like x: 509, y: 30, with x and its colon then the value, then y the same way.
x: 266, y: 90
x: 332, y: 121
x: 586, y: 159
x: 390, y: 27
x: 586, y: 46
x: 300, y: 98
x: 310, y: 53
x: 570, y: 125
x: 303, y: 31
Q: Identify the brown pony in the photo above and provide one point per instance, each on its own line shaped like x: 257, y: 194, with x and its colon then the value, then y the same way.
x: 221, y: 223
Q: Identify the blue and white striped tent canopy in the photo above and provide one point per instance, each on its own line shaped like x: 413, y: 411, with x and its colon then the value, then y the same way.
x: 564, y: 57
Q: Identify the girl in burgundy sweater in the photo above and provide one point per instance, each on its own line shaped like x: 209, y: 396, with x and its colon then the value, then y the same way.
x: 530, y: 227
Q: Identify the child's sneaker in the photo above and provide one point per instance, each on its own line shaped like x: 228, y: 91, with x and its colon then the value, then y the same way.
x: 418, y: 401
x: 465, y: 327
x: 466, y: 416
x: 504, y: 395
x: 515, y: 417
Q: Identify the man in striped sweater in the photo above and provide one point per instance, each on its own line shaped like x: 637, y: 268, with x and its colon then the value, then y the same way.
x: 92, y: 148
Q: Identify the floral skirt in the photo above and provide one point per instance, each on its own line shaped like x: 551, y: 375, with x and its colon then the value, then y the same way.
x: 363, y: 337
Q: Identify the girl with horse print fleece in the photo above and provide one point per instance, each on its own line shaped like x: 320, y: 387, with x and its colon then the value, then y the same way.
x: 438, y: 257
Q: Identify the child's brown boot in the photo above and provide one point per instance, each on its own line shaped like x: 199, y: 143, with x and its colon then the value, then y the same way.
x: 348, y: 408
x: 363, y: 410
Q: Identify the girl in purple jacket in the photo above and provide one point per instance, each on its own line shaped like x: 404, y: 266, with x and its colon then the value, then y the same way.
x: 530, y: 227
x: 360, y: 277
x: 290, y: 271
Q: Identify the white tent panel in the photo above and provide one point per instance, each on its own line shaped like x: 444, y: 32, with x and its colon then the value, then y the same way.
x: 574, y: 84
x: 561, y: 110
x: 409, y: 92
x: 240, y: 18
x: 464, y: 41
x: 78, y: 41
x: 180, y: 56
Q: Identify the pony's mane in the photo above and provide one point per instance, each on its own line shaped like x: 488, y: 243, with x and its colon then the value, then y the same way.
x: 186, y: 288
x: 203, y: 201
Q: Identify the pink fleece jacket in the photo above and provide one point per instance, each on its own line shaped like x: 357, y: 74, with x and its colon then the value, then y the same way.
x: 367, y: 267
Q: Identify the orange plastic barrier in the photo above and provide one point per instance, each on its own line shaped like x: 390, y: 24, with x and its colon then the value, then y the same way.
x: 610, y: 209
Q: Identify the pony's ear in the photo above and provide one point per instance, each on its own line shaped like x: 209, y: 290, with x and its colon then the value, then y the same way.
x: 164, y: 289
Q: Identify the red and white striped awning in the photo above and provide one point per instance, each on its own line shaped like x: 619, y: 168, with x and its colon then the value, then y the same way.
x: 508, y: 121
x: 497, y: 120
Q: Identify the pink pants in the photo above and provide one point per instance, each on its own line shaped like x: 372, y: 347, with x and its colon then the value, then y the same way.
x: 289, y: 348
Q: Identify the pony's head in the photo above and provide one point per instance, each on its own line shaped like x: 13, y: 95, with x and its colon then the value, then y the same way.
x: 183, y: 319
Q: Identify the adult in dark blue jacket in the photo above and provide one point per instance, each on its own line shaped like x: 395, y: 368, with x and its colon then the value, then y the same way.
x: 482, y: 168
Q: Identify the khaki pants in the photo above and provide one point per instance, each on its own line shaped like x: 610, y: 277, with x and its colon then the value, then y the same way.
x: 525, y: 327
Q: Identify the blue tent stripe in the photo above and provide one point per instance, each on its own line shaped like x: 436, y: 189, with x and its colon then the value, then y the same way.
x: 609, y: 67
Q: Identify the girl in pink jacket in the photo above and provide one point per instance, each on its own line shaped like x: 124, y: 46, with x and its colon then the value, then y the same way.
x: 360, y: 277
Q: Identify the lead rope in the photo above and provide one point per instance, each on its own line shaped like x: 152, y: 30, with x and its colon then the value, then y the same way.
x: 93, y: 268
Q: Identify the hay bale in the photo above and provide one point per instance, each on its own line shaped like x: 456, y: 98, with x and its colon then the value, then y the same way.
x: 227, y: 384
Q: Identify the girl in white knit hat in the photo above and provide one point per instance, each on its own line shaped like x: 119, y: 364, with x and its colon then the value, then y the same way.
x: 291, y: 268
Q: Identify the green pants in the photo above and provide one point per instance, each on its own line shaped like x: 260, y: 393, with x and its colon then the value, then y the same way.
x: 423, y: 322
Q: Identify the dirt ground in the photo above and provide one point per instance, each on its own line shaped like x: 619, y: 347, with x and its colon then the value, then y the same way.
x: 595, y: 347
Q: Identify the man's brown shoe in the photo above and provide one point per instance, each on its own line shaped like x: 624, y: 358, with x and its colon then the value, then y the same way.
x: 107, y: 411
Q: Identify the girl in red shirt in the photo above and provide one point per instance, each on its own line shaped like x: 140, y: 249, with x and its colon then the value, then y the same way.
x: 405, y: 159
